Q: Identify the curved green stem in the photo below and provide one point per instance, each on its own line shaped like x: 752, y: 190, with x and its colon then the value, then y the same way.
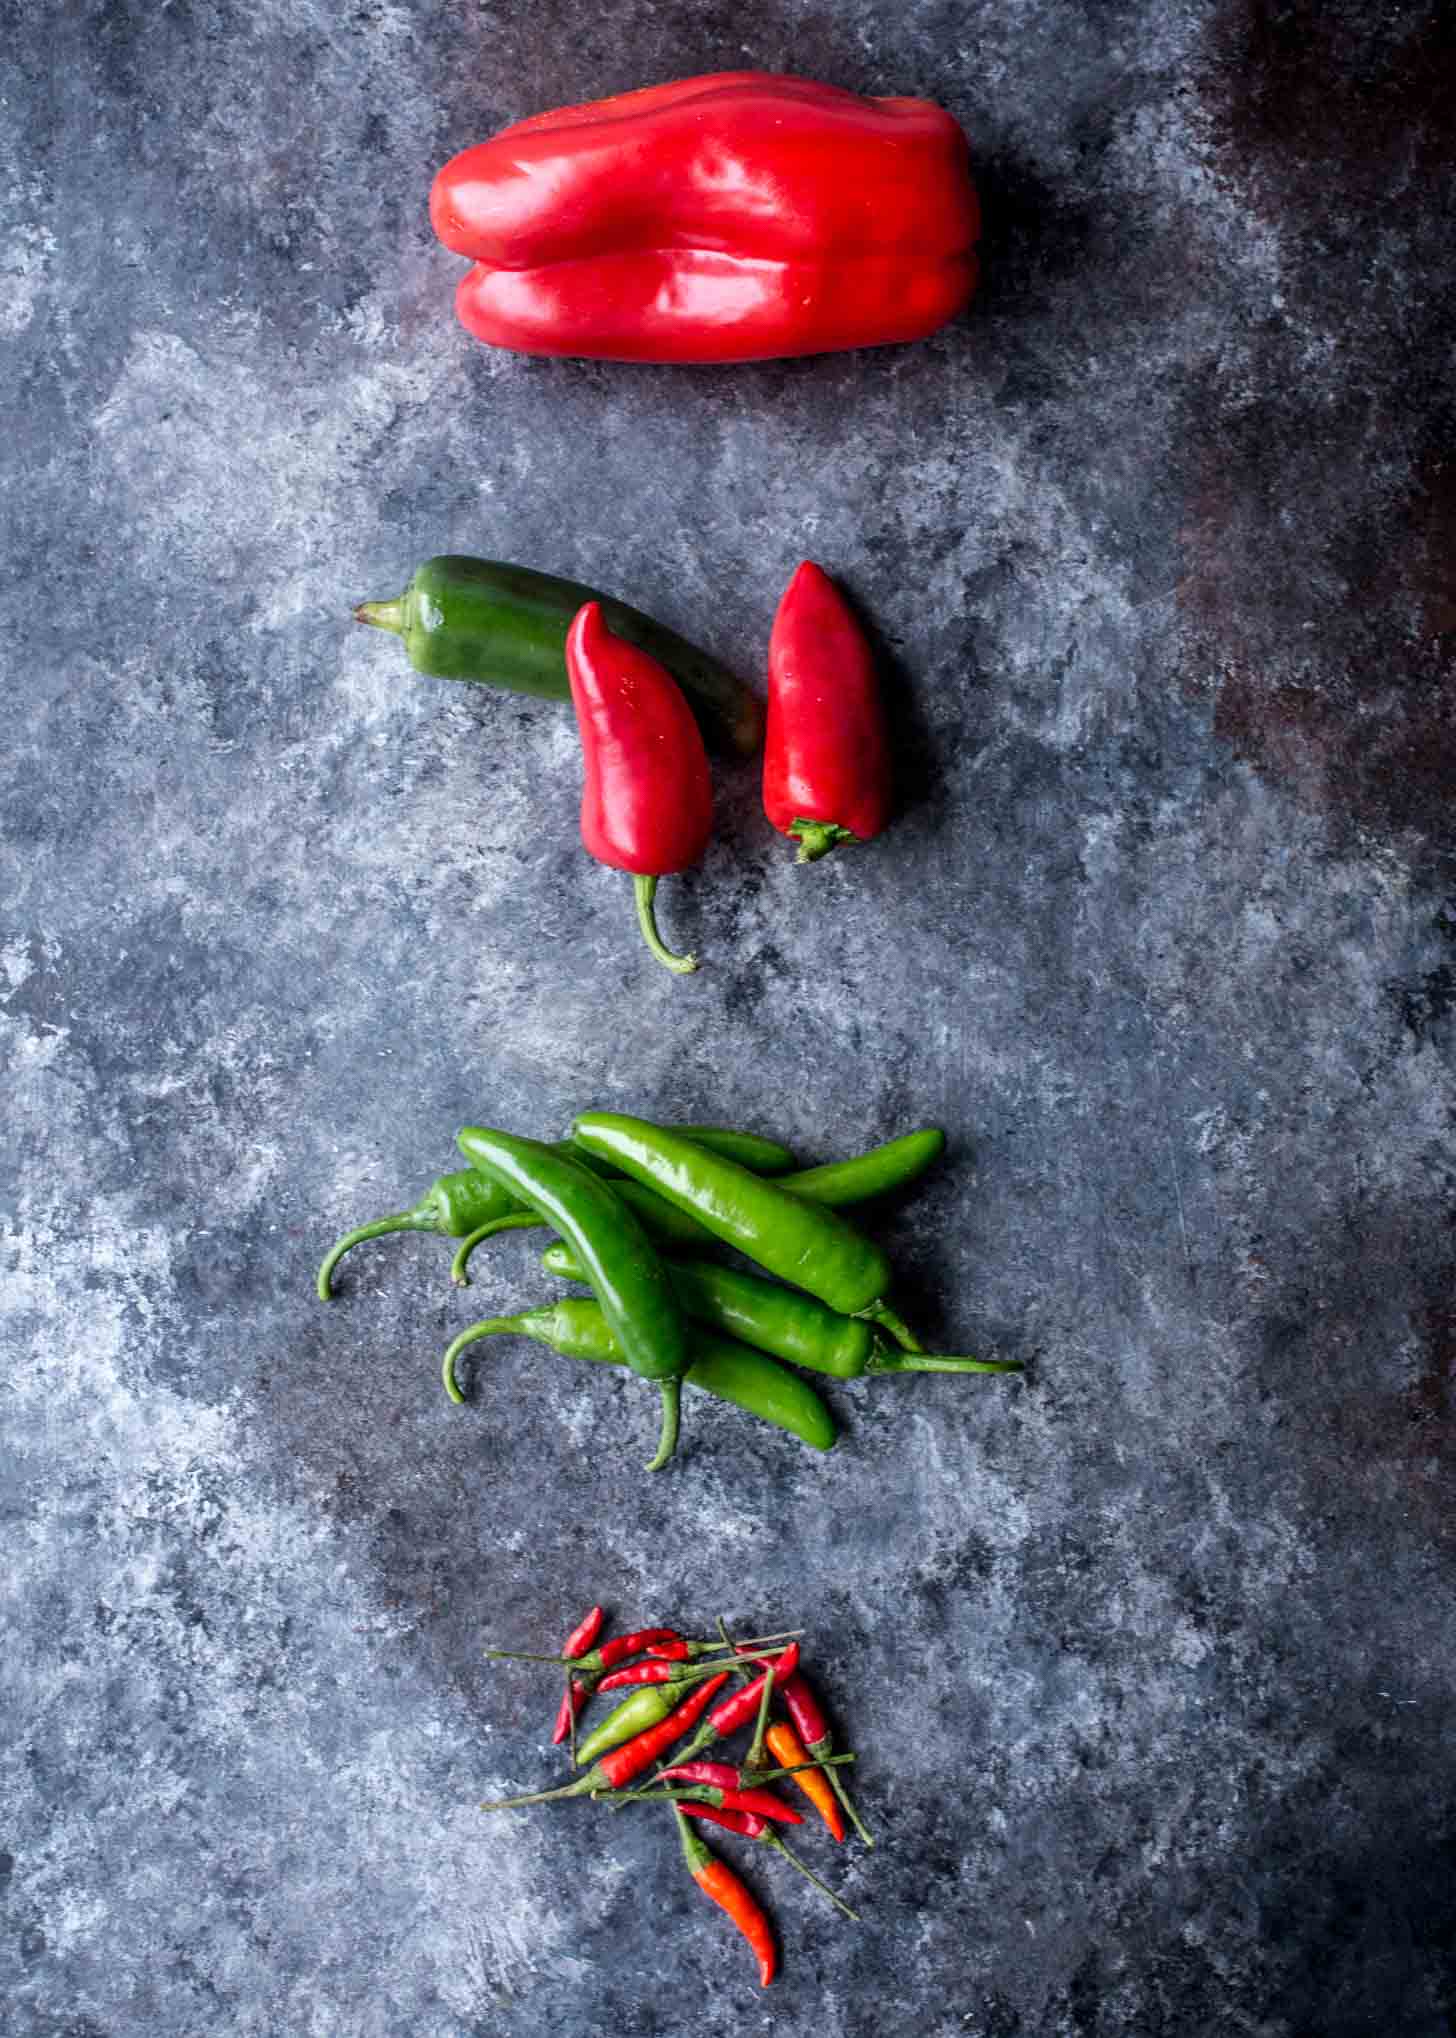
x: 521, y: 1220
x: 485, y: 1328
x: 645, y: 889
x: 667, y: 1436
x: 900, y: 1331
x: 401, y: 1220
x: 935, y: 1362
x: 771, y: 1839
x: 817, y: 838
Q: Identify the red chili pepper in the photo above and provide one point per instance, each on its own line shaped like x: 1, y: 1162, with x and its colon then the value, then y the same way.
x: 736, y: 217
x: 826, y: 761
x: 739, y: 1707
x: 647, y: 804
x: 748, y: 1823
x: 754, y: 1828
x: 813, y: 1730
x: 717, y: 1880
x: 577, y: 1692
x: 653, y: 1671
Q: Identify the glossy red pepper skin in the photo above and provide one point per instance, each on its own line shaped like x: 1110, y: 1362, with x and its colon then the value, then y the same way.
x: 577, y: 1692
x: 738, y: 216
x: 647, y: 797
x: 826, y: 764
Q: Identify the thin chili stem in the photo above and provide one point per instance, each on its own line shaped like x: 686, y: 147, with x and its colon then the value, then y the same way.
x: 771, y: 1839
x: 900, y: 1331
x: 753, y: 1643
x: 645, y: 889
x: 760, y: 1726
x: 401, y: 1220
x: 928, y: 1362
x: 855, y: 1820
x: 667, y: 1436
x: 523, y: 1220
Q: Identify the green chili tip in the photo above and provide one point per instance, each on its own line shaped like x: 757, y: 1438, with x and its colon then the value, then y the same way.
x: 928, y: 1362
x: 402, y: 1220
x: 645, y: 889
x: 486, y: 1328
x: 667, y: 1437
x: 522, y: 1220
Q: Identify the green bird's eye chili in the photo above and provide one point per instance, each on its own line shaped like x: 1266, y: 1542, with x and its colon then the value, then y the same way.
x: 577, y: 1329
x: 626, y: 1275
x: 802, y: 1242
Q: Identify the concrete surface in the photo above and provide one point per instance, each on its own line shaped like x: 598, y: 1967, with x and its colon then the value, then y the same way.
x: 1148, y: 1659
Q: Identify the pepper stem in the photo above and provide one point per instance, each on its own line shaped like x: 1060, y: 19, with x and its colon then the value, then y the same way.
x: 854, y: 1818
x: 771, y: 1839
x: 760, y: 1726
x: 667, y: 1437
x: 384, y: 615
x: 900, y: 1331
x: 486, y: 1328
x: 401, y: 1220
x: 928, y: 1362
x: 645, y: 889
x: 817, y: 838
x: 521, y: 1220
x: 580, y: 1788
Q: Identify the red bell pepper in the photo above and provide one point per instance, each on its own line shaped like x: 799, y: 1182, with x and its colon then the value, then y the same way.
x: 739, y: 216
x: 826, y: 763
x: 647, y: 804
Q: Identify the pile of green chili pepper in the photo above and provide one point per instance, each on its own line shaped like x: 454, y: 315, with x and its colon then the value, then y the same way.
x: 641, y: 1213
x: 640, y: 1753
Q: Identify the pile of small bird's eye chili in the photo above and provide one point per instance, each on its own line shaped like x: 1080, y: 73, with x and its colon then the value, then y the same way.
x: 682, y: 1697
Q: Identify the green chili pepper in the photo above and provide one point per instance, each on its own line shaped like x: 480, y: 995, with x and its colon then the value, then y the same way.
x: 646, y: 1707
x: 459, y: 1205
x: 874, y: 1173
x: 800, y: 1241
x: 663, y: 1225
x: 628, y: 1279
x: 786, y: 1322
x: 505, y: 626
x: 577, y: 1329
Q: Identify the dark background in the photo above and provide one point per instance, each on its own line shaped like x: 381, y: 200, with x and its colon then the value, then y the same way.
x: 1148, y: 1658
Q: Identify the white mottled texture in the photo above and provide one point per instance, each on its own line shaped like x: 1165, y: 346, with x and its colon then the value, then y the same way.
x: 1149, y: 1657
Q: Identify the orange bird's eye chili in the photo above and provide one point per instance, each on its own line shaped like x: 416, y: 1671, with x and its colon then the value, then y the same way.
x: 717, y: 1880
x: 791, y: 1752
x: 813, y: 1730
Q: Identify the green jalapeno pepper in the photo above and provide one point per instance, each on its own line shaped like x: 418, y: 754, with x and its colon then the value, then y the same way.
x: 802, y: 1242
x: 459, y: 1205
x: 505, y: 626
x: 578, y: 1329
x: 615, y: 1253
x: 786, y: 1323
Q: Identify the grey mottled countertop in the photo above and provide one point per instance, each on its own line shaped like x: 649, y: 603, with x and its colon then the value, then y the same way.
x: 1149, y: 1658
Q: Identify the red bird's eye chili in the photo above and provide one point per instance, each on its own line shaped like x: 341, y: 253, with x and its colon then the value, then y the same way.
x: 741, y: 216
x: 813, y: 1730
x: 752, y: 1827
x: 572, y: 1699
x: 740, y: 1706
x: 616, y: 1769
x: 826, y: 763
x: 647, y: 802
x: 717, y: 1880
